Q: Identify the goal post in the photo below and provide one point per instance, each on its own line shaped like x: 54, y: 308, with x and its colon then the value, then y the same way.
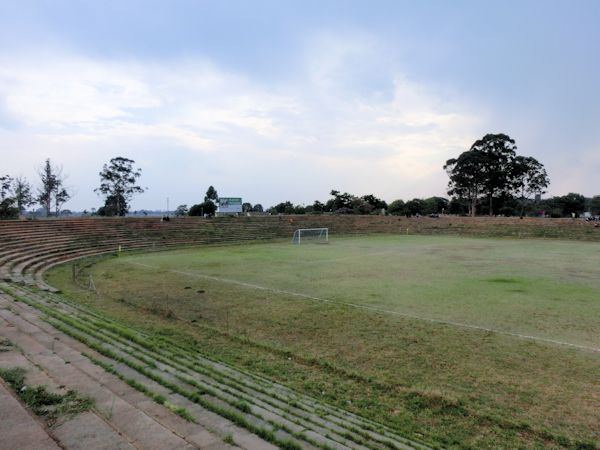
x: 311, y: 235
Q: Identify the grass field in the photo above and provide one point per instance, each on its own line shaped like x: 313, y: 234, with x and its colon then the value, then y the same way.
x: 464, y: 342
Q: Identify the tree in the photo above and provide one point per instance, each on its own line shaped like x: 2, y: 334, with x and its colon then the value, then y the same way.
x: 458, y: 206
x: 6, y: 183
x: 246, y: 207
x: 23, y: 193
x: 257, y: 208
x: 114, y: 205
x: 61, y: 196
x: 318, y: 207
x: 435, y: 205
x: 529, y: 178
x: 499, y: 152
x: 415, y: 206
x: 397, y: 208
x: 52, y: 191
x: 207, y: 208
x: 491, y: 168
x: 118, y: 184
x: 572, y: 203
x: 211, y: 194
x: 8, y: 210
x: 299, y: 209
x: 360, y: 206
x: 466, y: 179
x: 340, y: 201
x: 286, y: 207
x: 181, y: 210
x: 375, y: 202
x: 595, y: 205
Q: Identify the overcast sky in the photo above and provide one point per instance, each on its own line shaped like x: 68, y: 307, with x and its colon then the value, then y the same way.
x: 285, y: 100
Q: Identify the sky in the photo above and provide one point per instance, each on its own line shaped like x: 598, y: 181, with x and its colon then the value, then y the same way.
x: 287, y: 100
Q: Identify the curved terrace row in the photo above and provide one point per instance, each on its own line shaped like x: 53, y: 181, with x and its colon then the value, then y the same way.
x: 29, y: 248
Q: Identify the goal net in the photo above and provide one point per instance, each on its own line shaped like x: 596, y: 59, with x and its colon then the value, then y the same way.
x: 311, y: 235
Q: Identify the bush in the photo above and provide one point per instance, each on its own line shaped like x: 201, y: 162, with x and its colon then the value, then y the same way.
x: 7, y: 209
x: 203, y: 209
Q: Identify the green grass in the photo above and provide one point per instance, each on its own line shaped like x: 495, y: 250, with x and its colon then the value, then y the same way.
x: 452, y: 385
x: 43, y: 403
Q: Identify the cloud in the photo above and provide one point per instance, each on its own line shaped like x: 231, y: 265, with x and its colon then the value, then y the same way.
x: 330, y: 126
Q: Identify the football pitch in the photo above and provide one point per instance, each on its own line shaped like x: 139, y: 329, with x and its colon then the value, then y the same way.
x: 464, y: 341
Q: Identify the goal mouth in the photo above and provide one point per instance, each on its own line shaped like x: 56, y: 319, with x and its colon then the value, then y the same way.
x: 311, y: 236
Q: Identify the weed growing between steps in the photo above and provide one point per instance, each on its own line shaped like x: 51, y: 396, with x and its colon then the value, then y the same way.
x: 5, y: 345
x: 46, y: 404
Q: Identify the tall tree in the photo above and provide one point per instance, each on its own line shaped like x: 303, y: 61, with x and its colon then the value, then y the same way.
x: 118, y: 184
x: 498, y: 151
x: 23, y: 193
x: 467, y: 181
x: 7, y: 199
x: 490, y: 168
x: 48, y: 184
x: 52, y: 191
x: 529, y: 178
x: 211, y: 194
x: 6, y: 183
x: 61, y: 196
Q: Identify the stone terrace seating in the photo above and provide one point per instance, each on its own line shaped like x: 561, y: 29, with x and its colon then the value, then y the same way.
x: 29, y: 247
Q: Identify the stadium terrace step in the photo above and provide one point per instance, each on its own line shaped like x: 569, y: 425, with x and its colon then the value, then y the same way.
x: 122, y: 417
x: 14, y: 418
x: 207, y: 389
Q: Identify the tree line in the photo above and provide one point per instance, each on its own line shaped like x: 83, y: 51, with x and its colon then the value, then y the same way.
x: 558, y: 206
x: 117, y: 184
x: 490, y: 178
x: 17, y: 194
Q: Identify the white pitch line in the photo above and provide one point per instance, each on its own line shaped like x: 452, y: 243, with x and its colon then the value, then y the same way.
x: 374, y: 308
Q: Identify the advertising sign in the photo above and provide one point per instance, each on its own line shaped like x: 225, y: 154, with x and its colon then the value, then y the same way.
x: 230, y: 205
